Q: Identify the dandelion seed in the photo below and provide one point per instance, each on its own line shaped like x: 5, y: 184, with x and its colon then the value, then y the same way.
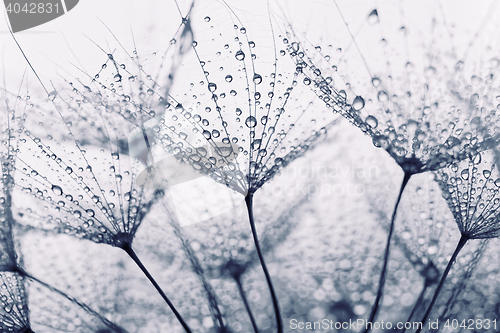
x: 473, y: 198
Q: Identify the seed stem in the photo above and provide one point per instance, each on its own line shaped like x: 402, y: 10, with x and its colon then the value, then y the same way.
x: 277, y: 312
x: 418, y: 302
x: 382, y: 279
x: 461, y: 243
x: 247, y: 306
x: 135, y: 258
x: 84, y: 306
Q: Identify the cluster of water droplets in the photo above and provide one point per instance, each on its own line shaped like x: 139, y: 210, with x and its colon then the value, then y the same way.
x: 409, y: 110
x: 239, y: 119
x: 76, y: 187
x: 14, y: 312
x: 472, y: 191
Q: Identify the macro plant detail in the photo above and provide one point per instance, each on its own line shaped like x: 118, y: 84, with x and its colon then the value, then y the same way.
x: 157, y: 135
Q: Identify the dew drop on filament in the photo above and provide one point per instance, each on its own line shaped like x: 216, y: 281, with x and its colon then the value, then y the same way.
x: 239, y: 55
x: 251, y: 122
x: 358, y: 103
x: 57, y: 190
x: 373, y: 17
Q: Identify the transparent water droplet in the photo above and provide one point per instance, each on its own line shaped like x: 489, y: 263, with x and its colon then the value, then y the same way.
x: 240, y: 56
x: 382, y: 96
x: 373, y: 17
x: 229, y: 78
x: 459, y: 65
x: 307, y: 81
x: 358, y: 103
x: 207, y: 18
x: 118, y: 78
x: 257, y: 78
x: 251, y: 122
x: 57, y: 190
x: 430, y: 71
x: 433, y: 249
x: 376, y: 81
x: 372, y: 121
x: 497, y: 182
x: 212, y: 87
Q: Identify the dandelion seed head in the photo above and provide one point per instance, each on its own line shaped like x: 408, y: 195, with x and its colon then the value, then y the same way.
x: 471, y: 190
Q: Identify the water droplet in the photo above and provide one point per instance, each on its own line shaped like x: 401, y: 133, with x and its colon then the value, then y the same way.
x: 212, y: 87
x: 358, y: 103
x: 459, y: 65
x: 430, y: 71
x: 118, y: 78
x: 372, y: 121
x: 257, y: 78
x: 57, y: 190
x: 251, y: 122
x: 229, y: 78
x: 486, y: 174
x: 465, y: 174
x: 307, y: 81
x: 373, y: 17
x: 376, y: 81
x: 433, y: 249
x: 207, y: 18
x: 239, y: 55
x: 382, y: 96
x: 215, y: 133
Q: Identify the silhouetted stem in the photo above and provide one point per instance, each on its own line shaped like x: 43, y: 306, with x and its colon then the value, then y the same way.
x: 417, y: 303
x: 461, y: 243
x: 139, y: 263
x: 84, y: 306
x: 247, y: 306
x: 382, y: 279
x: 277, y: 312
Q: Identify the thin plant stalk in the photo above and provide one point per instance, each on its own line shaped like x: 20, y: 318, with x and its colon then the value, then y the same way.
x: 461, y: 243
x: 247, y: 306
x: 383, y: 274
x: 418, y: 302
x: 139, y: 263
x: 25, y: 274
x: 277, y: 312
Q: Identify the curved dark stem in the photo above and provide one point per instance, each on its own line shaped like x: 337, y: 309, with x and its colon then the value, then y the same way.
x: 277, y: 312
x: 382, y: 279
x: 461, y: 243
x: 247, y: 306
x: 139, y: 263
x: 418, y: 302
x: 84, y: 306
